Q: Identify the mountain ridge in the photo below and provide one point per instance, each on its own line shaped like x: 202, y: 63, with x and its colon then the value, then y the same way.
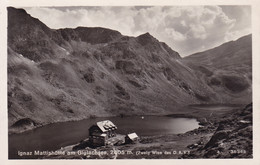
x: 63, y: 75
x: 225, y: 43
x: 226, y: 68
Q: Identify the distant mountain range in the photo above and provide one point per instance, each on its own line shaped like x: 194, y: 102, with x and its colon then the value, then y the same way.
x: 72, y: 74
x: 227, y: 69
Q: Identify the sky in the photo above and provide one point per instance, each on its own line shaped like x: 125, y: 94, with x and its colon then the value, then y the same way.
x: 186, y: 29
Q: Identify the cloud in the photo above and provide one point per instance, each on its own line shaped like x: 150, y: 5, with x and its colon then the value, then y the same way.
x: 187, y: 29
x: 175, y: 34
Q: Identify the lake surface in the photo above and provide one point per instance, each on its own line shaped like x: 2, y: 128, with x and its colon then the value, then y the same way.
x: 54, y: 136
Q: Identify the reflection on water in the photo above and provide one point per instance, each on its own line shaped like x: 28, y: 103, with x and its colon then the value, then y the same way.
x: 55, y: 136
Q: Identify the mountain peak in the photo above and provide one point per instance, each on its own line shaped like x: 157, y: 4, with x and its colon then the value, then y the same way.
x: 79, y: 77
x: 12, y: 9
x: 146, y: 35
x: 146, y: 38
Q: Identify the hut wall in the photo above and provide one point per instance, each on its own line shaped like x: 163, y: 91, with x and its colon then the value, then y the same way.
x: 94, y: 129
x: 98, y: 140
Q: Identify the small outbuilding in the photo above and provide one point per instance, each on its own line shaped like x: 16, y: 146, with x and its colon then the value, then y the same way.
x: 131, y: 138
x: 101, y: 132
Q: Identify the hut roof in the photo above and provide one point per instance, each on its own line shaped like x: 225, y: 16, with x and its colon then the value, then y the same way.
x: 106, y: 125
x: 132, y: 136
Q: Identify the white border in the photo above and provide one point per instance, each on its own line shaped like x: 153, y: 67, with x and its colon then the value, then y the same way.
x: 3, y: 81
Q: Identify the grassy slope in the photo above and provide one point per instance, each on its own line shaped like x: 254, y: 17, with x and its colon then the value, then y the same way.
x: 227, y: 69
x: 70, y: 74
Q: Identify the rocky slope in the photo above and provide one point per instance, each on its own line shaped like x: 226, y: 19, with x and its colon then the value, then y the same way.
x: 226, y: 135
x: 232, y: 138
x: 72, y: 74
x: 226, y: 69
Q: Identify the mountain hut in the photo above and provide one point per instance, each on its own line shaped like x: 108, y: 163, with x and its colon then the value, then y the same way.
x: 131, y: 138
x: 101, y: 132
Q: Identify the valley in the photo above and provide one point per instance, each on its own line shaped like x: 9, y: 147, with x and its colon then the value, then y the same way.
x: 73, y: 74
x: 56, y: 76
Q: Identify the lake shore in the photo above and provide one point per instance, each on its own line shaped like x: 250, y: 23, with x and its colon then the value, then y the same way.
x: 166, y: 145
x: 196, y: 111
x: 222, y: 136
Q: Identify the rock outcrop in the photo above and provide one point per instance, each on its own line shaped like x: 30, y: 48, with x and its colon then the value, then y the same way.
x: 72, y: 74
x: 232, y: 138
